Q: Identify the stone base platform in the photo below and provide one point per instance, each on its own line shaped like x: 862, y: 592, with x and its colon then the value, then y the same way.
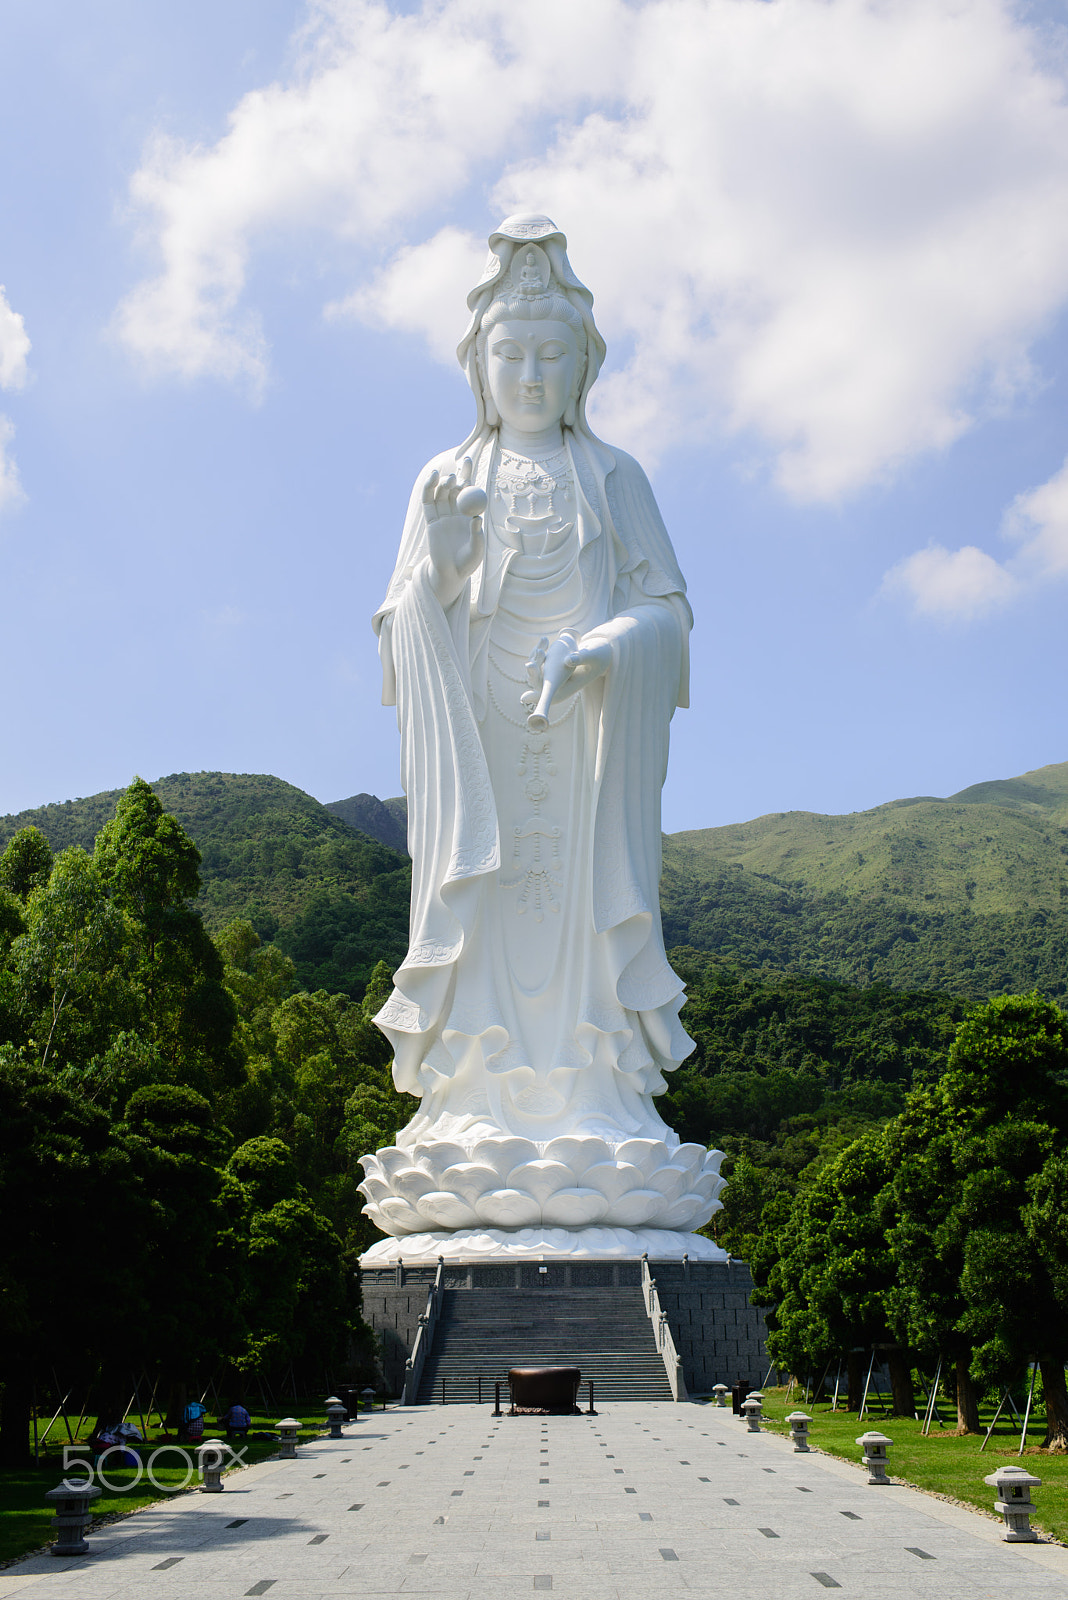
x: 718, y: 1334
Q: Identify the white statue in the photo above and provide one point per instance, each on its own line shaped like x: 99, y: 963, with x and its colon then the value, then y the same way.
x: 534, y: 640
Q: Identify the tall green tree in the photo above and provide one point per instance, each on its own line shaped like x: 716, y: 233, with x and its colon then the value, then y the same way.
x: 26, y: 863
x: 150, y: 870
x: 71, y: 1255
x: 978, y: 1157
x: 299, y: 1299
x: 831, y: 1287
x: 68, y: 962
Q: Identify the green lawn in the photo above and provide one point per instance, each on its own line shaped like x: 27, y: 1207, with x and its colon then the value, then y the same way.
x: 941, y: 1463
x: 25, y: 1514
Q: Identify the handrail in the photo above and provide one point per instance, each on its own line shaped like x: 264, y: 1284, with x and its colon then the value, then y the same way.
x: 662, y: 1334
x: 424, y: 1338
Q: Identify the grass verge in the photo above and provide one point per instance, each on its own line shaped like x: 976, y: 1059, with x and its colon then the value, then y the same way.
x: 26, y: 1516
x: 942, y: 1463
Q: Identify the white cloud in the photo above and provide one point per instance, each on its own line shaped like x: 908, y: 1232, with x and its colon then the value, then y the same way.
x: 958, y: 585
x: 423, y: 290
x: 14, y: 346
x: 1039, y: 519
x: 11, y: 491
x: 967, y: 583
x: 833, y: 226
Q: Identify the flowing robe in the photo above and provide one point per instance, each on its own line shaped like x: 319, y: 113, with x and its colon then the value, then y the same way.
x: 536, y: 1008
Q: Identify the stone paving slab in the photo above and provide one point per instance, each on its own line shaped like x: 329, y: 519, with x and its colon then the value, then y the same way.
x: 641, y: 1500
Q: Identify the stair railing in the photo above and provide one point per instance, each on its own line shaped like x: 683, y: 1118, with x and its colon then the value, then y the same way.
x: 424, y: 1338
x: 662, y: 1334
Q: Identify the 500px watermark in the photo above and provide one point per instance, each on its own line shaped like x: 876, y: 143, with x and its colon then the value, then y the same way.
x: 214, y: 1454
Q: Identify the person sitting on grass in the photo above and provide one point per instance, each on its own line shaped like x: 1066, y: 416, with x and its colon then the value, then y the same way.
x: 193, y: 1421
x: 236, y: 1421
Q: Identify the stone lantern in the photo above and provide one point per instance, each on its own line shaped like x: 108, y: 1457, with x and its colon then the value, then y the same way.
x: 1014, y: 1485
x: 288, y: 1429
x: 72, y: 1517
x: 721, y: 1392
x: 752, y: 1412
x: 875, y: 1446
x: 337, y: 1412
x: 799, y: 1430
x: 368, y: 1397
x: 210, y: 1458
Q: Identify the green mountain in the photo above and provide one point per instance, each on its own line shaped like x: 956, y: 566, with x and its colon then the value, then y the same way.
x: 996, y: 847
x: 967, y: 895
x: 334, y: 899
x: 384, y: 820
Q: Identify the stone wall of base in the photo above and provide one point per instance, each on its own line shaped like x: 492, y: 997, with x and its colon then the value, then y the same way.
x: 393, y: 1311
x: 718, y: 1334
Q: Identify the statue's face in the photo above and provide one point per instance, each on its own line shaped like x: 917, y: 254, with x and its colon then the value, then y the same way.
x: 531, y: 369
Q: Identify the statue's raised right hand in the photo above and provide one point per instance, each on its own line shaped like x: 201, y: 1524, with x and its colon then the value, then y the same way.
x: 453, y: 507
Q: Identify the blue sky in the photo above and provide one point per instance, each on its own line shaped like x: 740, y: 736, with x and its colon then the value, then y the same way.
x: 828, y: 241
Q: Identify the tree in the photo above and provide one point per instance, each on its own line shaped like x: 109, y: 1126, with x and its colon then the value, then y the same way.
x: 974, y: 1183
x: 150, y: 870
x: 26, y: 863
x: 67, y: 961
x: 928, y: 1237
x: 299, y: 1296
x: 71, y: 1262
x: 148, y: 861
x: 177, y: 1151
x: 831, y: 1286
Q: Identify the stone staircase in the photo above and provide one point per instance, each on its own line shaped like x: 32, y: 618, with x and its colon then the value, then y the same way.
x: 604, y: 1332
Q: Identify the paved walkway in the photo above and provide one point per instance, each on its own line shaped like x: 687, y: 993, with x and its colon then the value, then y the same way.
x: 642, y: 1500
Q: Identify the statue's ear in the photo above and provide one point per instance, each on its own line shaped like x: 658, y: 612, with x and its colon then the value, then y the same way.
x: 570, y: 416
x: 493, y: 416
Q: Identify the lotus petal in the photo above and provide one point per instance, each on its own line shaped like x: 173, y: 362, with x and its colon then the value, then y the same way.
x: 577, y: 1152
x: 574, y: 1208
x: 375, y: 1189
x: 446, y: 1210
x: 691, y: 1156
x: 709, y: 1184
x: 503, y: 1154
x: 392, y: 1159
x: 541, y: 1178
x: 688, y: 1211
x: 438, y: 1156
x: 636, y: 1207
x: 399, y: 1216
x: 613, y: 1178
x: 411, y: 1182
x: 470, y: 1179
x: 646, y: 1154
x: 669, y: 1181
x: 508, y: 1208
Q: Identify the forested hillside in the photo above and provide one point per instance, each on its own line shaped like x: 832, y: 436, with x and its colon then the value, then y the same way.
x: 333, y: 899
x: 967, y: 895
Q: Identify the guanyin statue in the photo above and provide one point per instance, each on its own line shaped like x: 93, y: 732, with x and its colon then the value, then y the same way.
x: 534, y: 640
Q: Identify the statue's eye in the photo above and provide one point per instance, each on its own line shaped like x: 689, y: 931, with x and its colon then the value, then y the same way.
x: 553, y: 352
x: 508, y: 352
